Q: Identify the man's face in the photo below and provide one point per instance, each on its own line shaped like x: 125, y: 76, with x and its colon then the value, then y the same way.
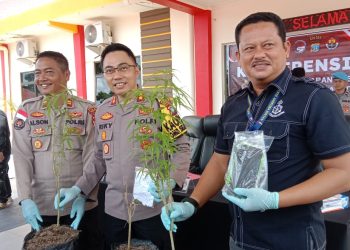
x: 339, y: 85
x: 262, y: 54
x: 49, y: 76
x: 120, y: 76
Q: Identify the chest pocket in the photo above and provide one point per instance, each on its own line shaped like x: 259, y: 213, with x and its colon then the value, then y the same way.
x: 105, y: 137
x: 144, y: 130
x: 76, y: 132
x: 279, y: 150
x: 40, y: 137
x: 229, y: 131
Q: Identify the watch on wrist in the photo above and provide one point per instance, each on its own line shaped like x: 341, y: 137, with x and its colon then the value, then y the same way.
x: 193, y: 202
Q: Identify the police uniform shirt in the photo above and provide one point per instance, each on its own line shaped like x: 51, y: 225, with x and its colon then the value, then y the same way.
x: 117, y: 155
x: 300, y: 124
x: 344, y: 100
x: 32, y: 150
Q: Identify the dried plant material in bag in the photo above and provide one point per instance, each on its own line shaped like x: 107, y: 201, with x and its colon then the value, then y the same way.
x: 247, y: 167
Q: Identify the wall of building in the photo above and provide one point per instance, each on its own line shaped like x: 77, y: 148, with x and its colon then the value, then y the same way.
x: 126, y: 30
x: 227, y: 16
x: 182, y: 54
x: 60, y: 41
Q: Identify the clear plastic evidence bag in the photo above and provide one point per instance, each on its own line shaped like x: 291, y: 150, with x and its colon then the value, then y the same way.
x: 247, y: 167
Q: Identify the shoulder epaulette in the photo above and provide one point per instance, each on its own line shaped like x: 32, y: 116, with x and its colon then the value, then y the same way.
x: 238, y: 93
x: 241, y: 90
x: 79, y: 99
x: 107, y: 101
x: 312, y: 82
x: 34, y: 99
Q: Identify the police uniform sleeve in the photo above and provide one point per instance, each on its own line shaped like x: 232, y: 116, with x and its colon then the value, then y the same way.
x: 95, y: 166
x: 88, y: 148
x: 23, y: 156
x: 328, y: 133
x: 181, y: 158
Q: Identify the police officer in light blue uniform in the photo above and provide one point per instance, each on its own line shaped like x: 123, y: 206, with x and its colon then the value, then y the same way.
x: 340, y: 87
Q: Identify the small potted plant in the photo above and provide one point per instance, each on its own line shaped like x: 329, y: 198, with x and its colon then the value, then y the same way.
x: 158, y: 145
x: 56, y: 236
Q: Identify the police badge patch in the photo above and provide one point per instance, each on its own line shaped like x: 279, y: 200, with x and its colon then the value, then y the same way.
x: 19, y: 124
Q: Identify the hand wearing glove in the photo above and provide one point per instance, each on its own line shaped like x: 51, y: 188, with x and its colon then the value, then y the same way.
x: 253, y: 199
x: 164, y: 188
x: 31, y: 213
x: 179, y: 211
x: 67, y: 194
x: 78, y: 210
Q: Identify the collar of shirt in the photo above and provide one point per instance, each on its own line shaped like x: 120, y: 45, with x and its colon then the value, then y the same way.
x: 281, y: 82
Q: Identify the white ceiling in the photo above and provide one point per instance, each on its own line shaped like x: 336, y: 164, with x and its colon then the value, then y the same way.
x: 105, y: 13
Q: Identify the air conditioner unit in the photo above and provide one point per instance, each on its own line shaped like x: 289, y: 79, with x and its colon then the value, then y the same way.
x: 26, y: 49
x: 97, y: 34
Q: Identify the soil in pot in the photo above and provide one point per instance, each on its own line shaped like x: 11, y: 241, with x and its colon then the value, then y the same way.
x: 138, y: 245
x: 51, y: 238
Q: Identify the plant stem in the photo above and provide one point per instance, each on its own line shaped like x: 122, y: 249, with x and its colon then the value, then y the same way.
x: 170, y: 199
x: 130, y: 214
x: 129, y: 232
x: 59, y: 198
x: 172, y: 236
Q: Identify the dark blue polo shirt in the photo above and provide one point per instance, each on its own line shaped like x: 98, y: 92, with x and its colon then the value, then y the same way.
x: 308, y: 125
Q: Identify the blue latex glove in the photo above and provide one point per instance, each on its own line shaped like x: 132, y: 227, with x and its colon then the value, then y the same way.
x: 164, y: 187
x: 179, y: 211
x: 31, y: 213
x: 67, y: 194
x: 253, y: 199
x: 78, y: 210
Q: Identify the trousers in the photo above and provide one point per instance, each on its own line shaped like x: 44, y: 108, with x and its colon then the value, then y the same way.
x: 5, y: 186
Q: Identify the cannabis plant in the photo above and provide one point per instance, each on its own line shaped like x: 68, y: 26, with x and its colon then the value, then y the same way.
x: 56, y: 108
x: 158, y: 146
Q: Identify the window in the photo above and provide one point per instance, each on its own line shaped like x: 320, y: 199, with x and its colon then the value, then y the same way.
x: 29, y: 89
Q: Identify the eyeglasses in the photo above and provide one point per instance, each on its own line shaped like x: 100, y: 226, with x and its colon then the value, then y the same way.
x: 122, y: 68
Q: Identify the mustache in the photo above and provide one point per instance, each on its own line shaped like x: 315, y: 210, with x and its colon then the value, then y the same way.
x: 257, y: 62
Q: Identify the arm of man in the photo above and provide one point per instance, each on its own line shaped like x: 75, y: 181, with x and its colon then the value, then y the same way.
x: 181, y: 160
x: 331, y: 145
x: 92, y: 174
x: 23, y: 156
x: 333, y: 180
x: 212, y: 179
x: 94, y: 164
x: 90, y: 158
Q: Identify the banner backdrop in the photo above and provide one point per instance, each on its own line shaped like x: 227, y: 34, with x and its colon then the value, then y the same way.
x: 319, y: 53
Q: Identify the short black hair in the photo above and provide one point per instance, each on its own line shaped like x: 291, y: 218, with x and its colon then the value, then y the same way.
x: 117, y: 47
x: 261, y: 17
x: 298, y: 72
x: 57, y: 56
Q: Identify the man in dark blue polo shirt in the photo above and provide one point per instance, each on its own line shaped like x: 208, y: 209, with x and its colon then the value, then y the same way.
x: 287, y: 215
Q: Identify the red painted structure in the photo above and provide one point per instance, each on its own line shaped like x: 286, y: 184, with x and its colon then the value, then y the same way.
x: 3, y: 74
x: 80, y: 68
x: 2, y: 61
x: 203, y: 53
